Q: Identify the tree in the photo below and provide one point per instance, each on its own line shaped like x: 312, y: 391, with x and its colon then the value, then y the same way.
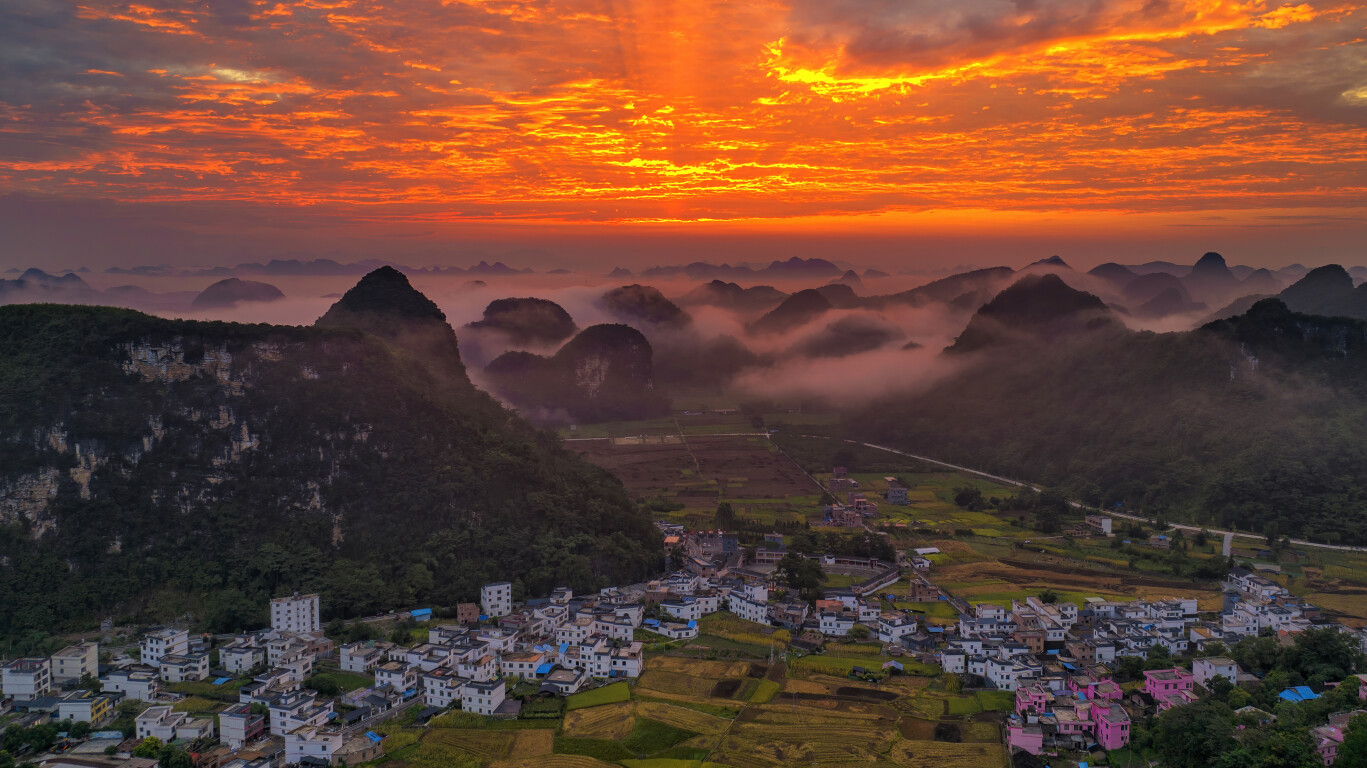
x: 1194, y: 736
x: 860, y: 632
x: 1353, y: 750
x: 969, y: 497
x: 801, y: 573
x: 726, y: 516
x: 323, y: 685
x: 90, y: 683
x: 781, y: 638
x: 1048, y: 597
x: 953, y: 683
x: 148, y: 747
x: 174, y: 757
x: 78, y: 730
x: 6, y: 760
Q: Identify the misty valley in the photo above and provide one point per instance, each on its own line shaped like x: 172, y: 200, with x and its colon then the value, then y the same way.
x: 770, y: 490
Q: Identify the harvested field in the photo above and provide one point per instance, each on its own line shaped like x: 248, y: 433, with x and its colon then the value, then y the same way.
x: 610, y: 721
x: 700, y: 470
x: 490, y: 745
x: 533, y: 743
x: 676, y: 683
x: 679, y: 717
x: 552, y: 761
x: 727, y: 689
x: 865, y: 693
x: 1000, y: 581
x: 937, y: 754
x: 916, y: 729
x: 699, y: 668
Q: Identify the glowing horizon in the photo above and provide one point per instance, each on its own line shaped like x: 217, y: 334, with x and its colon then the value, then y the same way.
x: 438, y: 120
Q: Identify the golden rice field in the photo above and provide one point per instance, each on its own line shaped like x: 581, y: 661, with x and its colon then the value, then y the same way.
x: 609, y: 721
x: 533, y: 743
x: 552, y: 761
x: 938, y: 754
x: 676, y: 683
x: 714, y: 670
x: 687, y: 719
x: 490, y: 745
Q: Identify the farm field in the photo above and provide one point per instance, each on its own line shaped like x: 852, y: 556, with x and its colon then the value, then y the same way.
x: 690, y: 711
x: 700, y: 471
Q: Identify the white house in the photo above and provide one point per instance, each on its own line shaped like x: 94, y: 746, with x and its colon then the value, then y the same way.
x: 163, y: 723
x: 179, y: 669
x: 314, y: 742
x: 298, y: 709
x: 442, y: 687
x: 74, y: 661
x: 677, y: 631
x: 1206, y: 670
x: 497, y: 598
x: 167, y: 641
x: 836, y: 624
x: 241, y: 655
x: 482, y: 698
x: 893, y: 626
x: 356, y: 657
x: 398, y: 675
x: 296, y: 613
x: 686, y: 609
x: 25, y: 679
x: 138, y: 683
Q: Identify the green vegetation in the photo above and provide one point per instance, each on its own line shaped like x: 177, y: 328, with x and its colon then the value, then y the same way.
x: 350, y: 430
x: 1208, y: 732
x: 604, y: 695
x: 1179, y: 426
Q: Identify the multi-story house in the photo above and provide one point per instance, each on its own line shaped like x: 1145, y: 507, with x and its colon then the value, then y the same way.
x: 75, y: 661
x: 137, y: 683
x: 176, y: 668
x: 237, y: 725
x: 298, y: 709
x: 398, y: 675
x: 441, y: 687
x: 241, y: 654
x: 482, y: 698
x: 167, y: 641
x: 315, y: 744
x: 84, y: 706
x: 25, y: 679
x: 358, y: 658
x: 497, y: 598
x: 296, y: 613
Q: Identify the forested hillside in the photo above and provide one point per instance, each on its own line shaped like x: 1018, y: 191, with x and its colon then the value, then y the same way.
x: 150, y: 468
x: 1256, y: 421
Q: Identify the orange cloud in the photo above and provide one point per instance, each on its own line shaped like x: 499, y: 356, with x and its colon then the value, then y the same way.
x: 665, y: 111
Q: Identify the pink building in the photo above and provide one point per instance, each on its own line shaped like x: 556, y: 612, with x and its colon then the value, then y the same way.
x: 1027, y: 737
x: 1036, y: 697
x: 1327, y: 739
x: 1112, y: 726
x: 1170, y: 687
x: 1094, y: 689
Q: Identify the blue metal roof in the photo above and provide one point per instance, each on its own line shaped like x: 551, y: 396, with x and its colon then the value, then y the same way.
x: 692, y: 624
x: 373, y: 736
x: 222, y: 680
x: 544, y: 668
x: 421, y: 612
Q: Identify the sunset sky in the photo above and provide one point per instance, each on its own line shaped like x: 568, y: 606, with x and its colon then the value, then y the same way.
x: 902, y: 133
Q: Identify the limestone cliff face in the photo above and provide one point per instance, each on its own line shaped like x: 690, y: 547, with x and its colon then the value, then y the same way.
x: 139, y: 454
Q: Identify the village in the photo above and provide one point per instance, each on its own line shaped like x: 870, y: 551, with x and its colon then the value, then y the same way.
x: 1056, y: 666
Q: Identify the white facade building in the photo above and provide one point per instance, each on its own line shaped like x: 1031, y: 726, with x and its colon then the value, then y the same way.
x: 296, y: 613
